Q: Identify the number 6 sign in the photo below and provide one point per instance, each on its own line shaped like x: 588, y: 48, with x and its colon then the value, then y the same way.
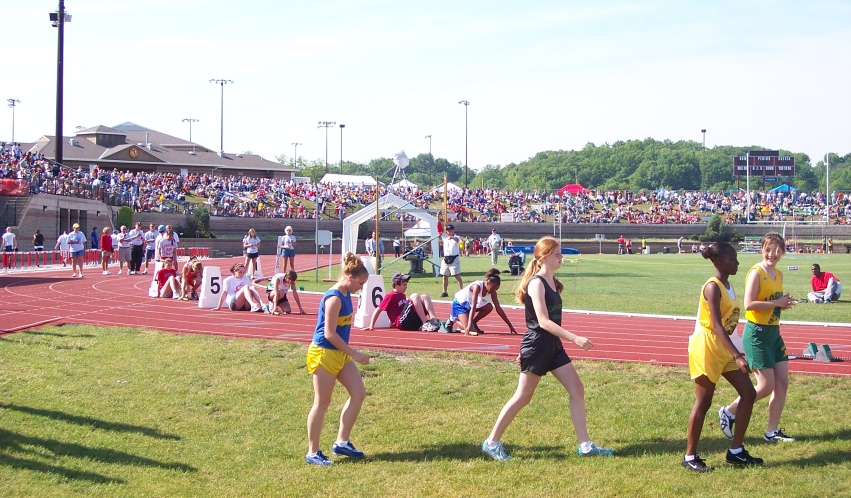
x: 211, y: 287
x: 369, y: 299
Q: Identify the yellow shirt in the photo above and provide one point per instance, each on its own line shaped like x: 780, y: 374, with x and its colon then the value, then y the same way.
x: 769, y: 289
x: 730, y: 310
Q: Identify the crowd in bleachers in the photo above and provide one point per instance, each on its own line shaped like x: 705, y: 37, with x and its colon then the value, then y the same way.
x: 243, y: 196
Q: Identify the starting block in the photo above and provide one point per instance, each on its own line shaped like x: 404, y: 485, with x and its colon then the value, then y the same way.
x: 211, y: 287
x: 259, y: 273
x: 154, y: 289
x: 822, y: 354
x: 369, y: 298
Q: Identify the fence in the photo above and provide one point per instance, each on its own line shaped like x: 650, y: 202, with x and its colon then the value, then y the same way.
x: 31, y: 260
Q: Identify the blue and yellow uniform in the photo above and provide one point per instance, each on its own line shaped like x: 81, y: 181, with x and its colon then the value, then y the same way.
x: 321, y: 352
x: 707, y: 355
x: 761, y: 339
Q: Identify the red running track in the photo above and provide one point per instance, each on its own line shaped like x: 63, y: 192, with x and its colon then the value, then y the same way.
x: 121, y: 300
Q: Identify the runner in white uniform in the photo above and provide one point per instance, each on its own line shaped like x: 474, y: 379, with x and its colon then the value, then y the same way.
x: 63, y: 248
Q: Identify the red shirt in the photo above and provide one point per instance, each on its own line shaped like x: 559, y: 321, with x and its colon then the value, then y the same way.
x: 163, y: 276
x: 820, y: 282
x: 106, y: 242
x: 393, y: 303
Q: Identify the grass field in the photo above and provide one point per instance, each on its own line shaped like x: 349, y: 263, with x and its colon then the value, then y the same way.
x: 87, y: 411
x: 666, y: 284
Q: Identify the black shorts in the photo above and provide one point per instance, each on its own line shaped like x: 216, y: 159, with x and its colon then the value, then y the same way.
x: 251, y: 255
x: 281, y: 301
x: 541, y: 352
x: 409, y: 320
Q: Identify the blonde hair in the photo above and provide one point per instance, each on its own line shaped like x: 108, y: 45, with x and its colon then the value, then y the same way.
x: 106, y: 230
x: 353, y: 266
x: 252, y: 232
x: 195, y: 264
x: 543, y: 249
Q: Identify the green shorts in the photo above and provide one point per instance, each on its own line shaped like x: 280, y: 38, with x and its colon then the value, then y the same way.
x: 763, y: 346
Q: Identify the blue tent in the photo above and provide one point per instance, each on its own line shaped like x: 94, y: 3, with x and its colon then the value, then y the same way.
x: 784, y: 188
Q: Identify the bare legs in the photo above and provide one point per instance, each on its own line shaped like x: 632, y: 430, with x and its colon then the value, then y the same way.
x: 423, y: 306
x: 323, y: 388
x: 704, y: 390
x: 773, y: 381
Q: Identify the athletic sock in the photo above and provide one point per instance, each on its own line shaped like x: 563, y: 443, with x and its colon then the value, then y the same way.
x: 689, y: 458
x: 310, y: 455
x: 586, y: 446
x: 736, y: 451
x: 492, y: 444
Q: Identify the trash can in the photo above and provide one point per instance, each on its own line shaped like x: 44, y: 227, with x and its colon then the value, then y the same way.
x: 666, y: 250
x: 647, y: 250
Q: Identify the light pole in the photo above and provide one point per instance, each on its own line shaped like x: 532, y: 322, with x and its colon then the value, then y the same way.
x: 430, y: 159
x: 466, y: 103
x: 222, y: 83
x: 827, y: 186
x: 12, y: 103
x: 190, y: 121
x: 326, y: 125
x: 58, y: 20
x: 341, y: 148
x: 295, y: 154
x: 703, y: 156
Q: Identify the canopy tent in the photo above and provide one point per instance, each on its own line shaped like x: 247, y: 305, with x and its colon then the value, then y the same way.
x: 450, y: 187
x: 784, y: 188
x: 421, y: 228
x: 405, y: 183
x: 572, y: 189
x: 347, y: 179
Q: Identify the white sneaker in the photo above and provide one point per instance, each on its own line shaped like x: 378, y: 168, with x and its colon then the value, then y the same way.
x: 145, y: 272
x: 106, y: 273
x: 256, y: 308
x: 119, y: 272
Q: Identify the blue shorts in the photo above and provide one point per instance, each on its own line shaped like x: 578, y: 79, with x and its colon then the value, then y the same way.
x: 77, y: 254
x: 149, y: 254
x: 288, y: 253
x: 459, y: 309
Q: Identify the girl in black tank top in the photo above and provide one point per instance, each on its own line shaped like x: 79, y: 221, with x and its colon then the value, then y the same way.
x: 541, y: 351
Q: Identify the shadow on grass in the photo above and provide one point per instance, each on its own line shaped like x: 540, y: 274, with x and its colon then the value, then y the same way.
x: 65, y: 473
x: 469, y: 451
x: 54, y: 334
x: 10, y: 441
x: 89, y: 421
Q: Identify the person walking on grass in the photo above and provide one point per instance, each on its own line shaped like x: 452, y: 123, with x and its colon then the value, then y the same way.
x: 330, y: 359
x: 541, y: 351
x: 711, y: 355
x: 763, y: 345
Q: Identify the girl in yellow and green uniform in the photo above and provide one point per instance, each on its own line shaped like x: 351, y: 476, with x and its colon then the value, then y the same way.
x: 763, y: 345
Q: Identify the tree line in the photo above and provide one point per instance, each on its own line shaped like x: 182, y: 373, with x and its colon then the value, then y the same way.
x: 634, y: 164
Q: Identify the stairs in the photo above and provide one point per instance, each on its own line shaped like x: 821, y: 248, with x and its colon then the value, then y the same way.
x: 12, y: 209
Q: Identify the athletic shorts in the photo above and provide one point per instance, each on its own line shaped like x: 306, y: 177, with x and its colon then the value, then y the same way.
x: 541, y: 352
x: 231, y: 302
x: 288, y: 253
x: 38, y: 248
x: 252, y: 255
x: 149, y: 254
x: 8, y: 248
x: 763, y: 346
x: 283, y: 299
x: 459, y: 309
x: 331, y: 360
x: 124, y: 254
x: 708, y: 356
x: 77, y: 254
x: 409, y: 320
x: 450, y: 269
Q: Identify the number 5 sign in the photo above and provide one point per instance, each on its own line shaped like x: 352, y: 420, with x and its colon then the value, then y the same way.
x: 369, y: 299
x: 211, y: 287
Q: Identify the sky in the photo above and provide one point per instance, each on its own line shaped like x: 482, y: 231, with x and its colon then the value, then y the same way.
x: 543, y: 75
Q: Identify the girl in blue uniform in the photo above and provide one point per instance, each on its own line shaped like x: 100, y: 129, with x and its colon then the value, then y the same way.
x: 329, y: 359
x: 541, y: 351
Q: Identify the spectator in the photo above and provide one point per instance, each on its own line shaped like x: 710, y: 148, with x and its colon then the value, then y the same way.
x: 63, y: 248
x: 414, y: 313
x: 95, y: 238
x: 167, y: 247
x: 826, y: 286
x: 494, y: 243
x: 137, y: 248
x: 288, y: 249
x: 77, y: 245
x: 371, y: 244
x: 621, y: 243
x: 150, y: 246
x: 451, y: 263
x: 10, y: 244
x: 124, y: 250
x: 397, y: 247
x: 250, y: 245
x: 106, y: 250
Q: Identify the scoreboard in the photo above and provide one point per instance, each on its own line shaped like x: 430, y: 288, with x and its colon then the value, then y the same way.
x: 764, y: 163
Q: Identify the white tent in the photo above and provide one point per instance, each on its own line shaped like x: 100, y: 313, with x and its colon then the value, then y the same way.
x: 405, y: 183
x: 348, y: 179
x: 451, y: 187
x: 421, y: 228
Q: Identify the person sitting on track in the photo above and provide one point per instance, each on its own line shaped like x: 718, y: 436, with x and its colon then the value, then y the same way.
x: 414, y: 313
x: 167, y: 285
x: 478, y: 298
x: 276, y: 293
x: 190, y: 279
x: 237, y: 291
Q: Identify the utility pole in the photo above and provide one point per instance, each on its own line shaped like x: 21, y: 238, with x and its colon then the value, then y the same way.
x: 190, y: 121
x: 326, y: 125
x: 222, y: 83
x: 430, y: 158
x: 466, y: 104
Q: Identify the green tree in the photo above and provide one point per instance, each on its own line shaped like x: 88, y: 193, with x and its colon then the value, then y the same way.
x: 200, y: 221
x: 125, y: 216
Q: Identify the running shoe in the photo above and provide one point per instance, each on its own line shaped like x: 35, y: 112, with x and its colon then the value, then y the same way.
x: 497, y: 453
x: 450, y: 323
x: 318, y: 459
x: 443, y: 294
x: 743, y: 459
x: 477, y: 329
x: 119, y: 272
x: 145, y: 272
x: 595, y: 451
x: 106, y: 273
x: 346, y: 449
x: 696, y: 465
x: 255, y: 308
x: 778, y: 435
x: 726, y: 422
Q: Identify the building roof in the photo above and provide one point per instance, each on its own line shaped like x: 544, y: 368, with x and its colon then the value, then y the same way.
x: 150, y: 148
